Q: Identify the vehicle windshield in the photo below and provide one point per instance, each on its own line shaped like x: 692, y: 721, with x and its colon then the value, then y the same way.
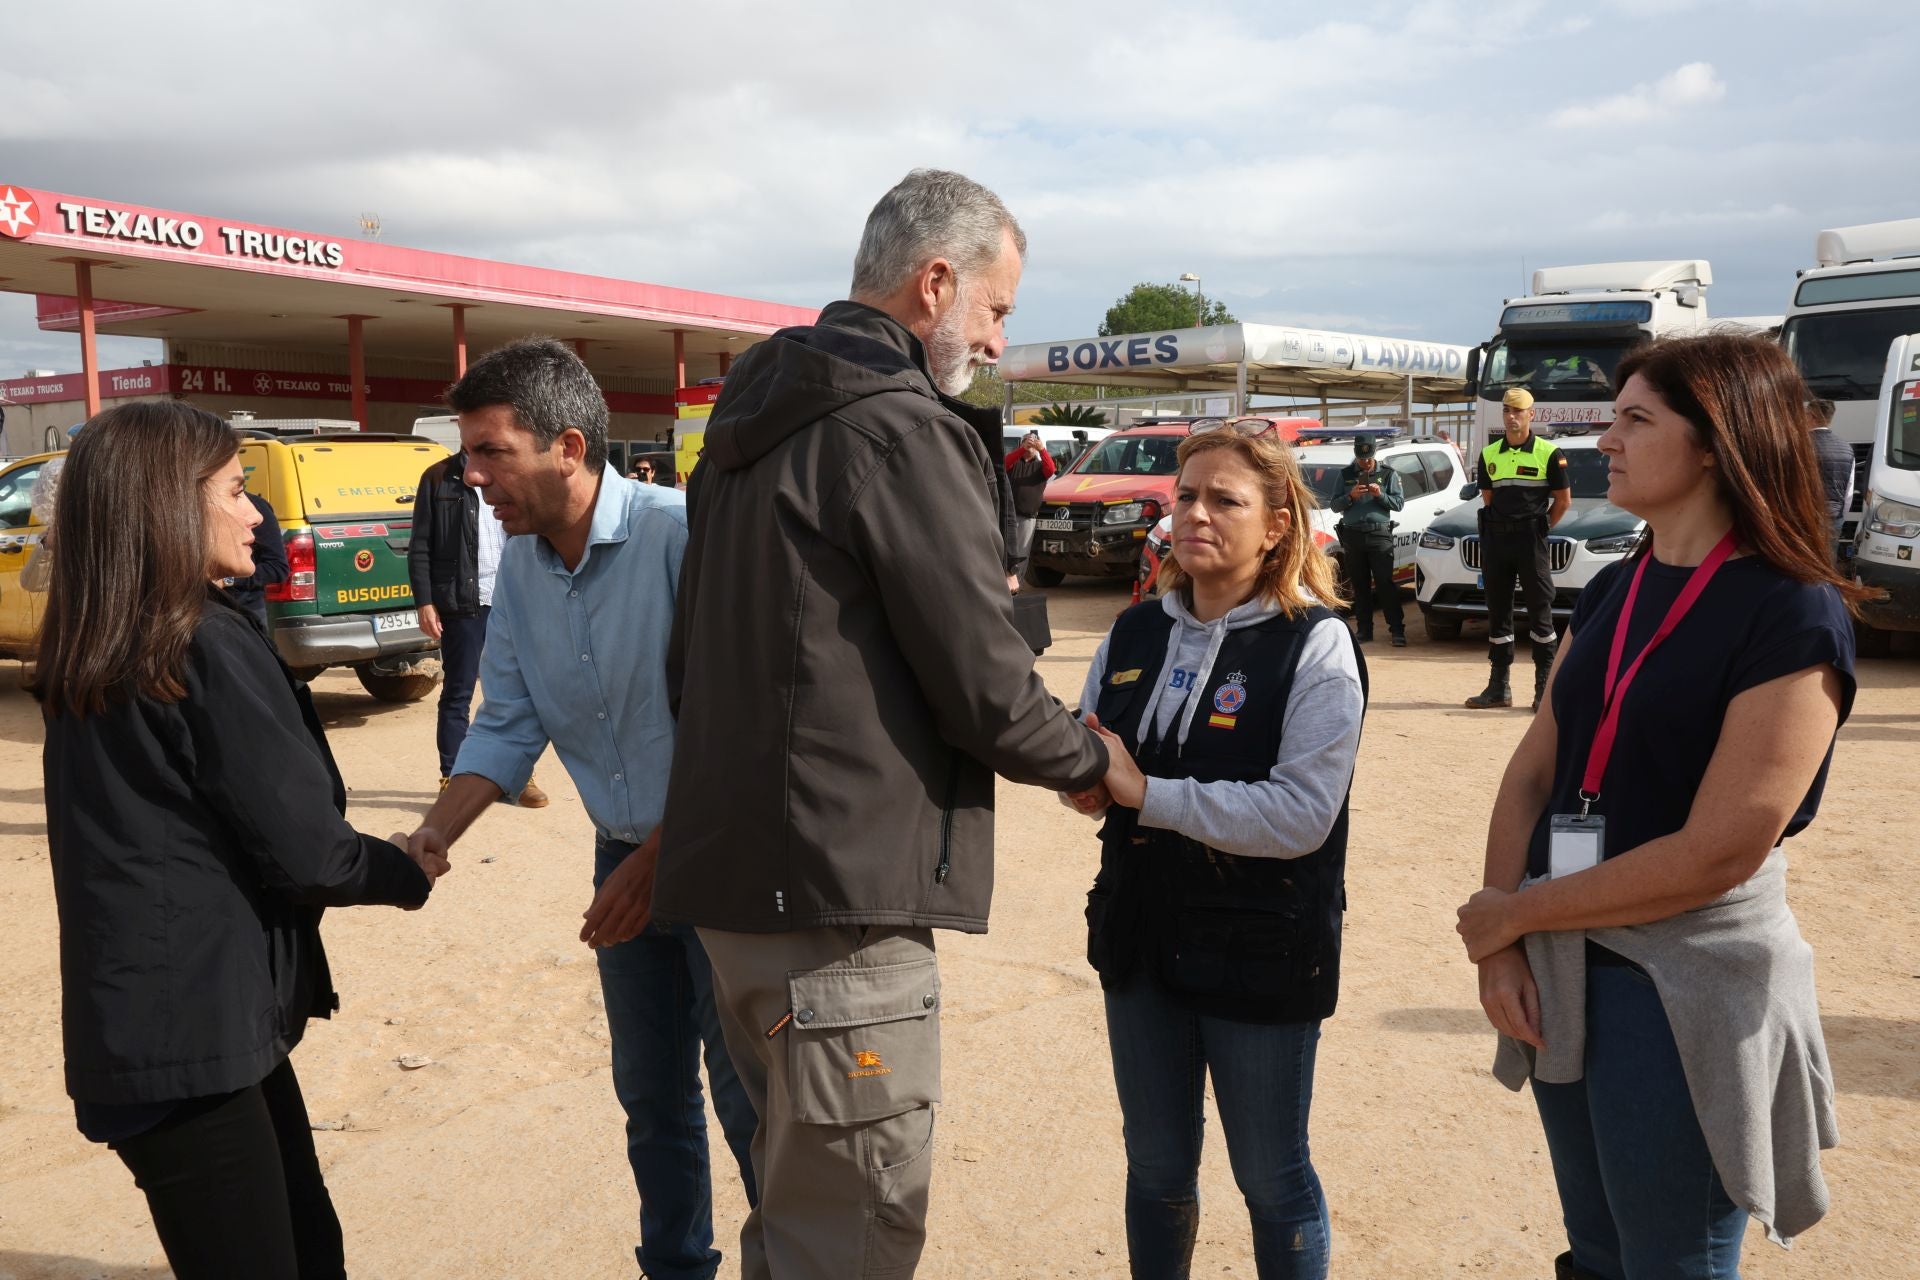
x: 1556, y: 371
x: 1132, y: 456
x: 1903, y: 439
x: 1323, y: 478
x: 1842, y: 354
x: 1586, y: 473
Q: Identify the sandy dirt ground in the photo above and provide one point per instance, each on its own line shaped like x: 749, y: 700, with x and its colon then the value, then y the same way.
x: 505, y: 1157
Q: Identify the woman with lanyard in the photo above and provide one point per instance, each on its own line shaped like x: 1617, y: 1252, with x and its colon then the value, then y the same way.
x: 1635, y: 947
x: 195, y: 831
x: 1215, y: 920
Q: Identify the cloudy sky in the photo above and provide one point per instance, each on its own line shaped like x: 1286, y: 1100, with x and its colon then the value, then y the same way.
x: 1391, y: 170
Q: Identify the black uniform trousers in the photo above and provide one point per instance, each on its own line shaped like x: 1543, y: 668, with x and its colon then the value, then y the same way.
x: 1509, y: 551
x: 235, y: 1188
x: 1368, y: 554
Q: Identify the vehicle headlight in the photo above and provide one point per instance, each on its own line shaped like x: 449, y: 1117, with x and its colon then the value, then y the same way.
x: 1436, y: 541
x: 1895, y: 519
x: 1618, y: 545
x: 1125, y: 513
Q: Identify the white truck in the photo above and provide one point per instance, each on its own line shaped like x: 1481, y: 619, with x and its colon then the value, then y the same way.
x: 1887, y: 549
x: 1862, y: 293
x: 1563, y: 341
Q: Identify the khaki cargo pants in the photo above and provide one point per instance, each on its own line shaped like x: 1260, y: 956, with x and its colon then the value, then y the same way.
x: 836, y: 1035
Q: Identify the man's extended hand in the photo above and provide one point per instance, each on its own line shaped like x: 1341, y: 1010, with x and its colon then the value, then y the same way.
x: 430, y: 621
x: 1092, y: 802
x: 1124, y: 783
x: 624, y: 903
x: 429, y: 855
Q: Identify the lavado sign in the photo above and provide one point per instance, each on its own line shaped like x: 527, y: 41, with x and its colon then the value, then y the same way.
x: 22, y: 214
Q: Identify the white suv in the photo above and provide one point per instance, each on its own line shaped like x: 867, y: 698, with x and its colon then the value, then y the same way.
x: 1430, y: 471
x: 1593, y: 534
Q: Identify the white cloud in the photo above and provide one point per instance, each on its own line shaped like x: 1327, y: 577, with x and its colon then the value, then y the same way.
x: 1693, y: 85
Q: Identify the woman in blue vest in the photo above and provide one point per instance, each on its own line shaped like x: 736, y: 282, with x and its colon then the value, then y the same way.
x: 1215, y: 919
x: 1635, y: 946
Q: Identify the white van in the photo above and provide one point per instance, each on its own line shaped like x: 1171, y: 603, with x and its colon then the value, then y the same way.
x: 1887, y: 546
x: 1064, y: 443
x: 443, y: 429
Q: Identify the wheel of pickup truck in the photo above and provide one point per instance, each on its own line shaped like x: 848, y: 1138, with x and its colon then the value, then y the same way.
x: 1441, y: 626
x: 408, y: 687
x: 1040, y: 577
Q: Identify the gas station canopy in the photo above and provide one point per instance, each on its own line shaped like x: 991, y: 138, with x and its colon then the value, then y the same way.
x: 100, y: 266
x: 1249, y: 360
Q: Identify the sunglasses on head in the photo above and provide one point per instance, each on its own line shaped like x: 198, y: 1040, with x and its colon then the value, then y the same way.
x: 1239, y: 426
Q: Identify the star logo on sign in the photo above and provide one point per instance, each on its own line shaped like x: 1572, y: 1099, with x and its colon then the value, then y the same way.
x: 16, y: 214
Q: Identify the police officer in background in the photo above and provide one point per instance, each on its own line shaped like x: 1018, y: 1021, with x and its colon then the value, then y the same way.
x: 1523, y: 493
x: 1369, y: 495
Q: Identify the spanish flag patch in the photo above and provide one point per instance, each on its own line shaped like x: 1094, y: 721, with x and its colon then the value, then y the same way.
x: 1222, y: 722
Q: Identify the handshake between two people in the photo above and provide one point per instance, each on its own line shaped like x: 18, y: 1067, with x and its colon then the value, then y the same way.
x: 622, y: 903
x: 1123, y: 785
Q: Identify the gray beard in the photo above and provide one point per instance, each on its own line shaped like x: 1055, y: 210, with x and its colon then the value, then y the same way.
x: 948, y: 358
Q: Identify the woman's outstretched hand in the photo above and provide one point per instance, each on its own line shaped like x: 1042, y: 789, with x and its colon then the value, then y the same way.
x: 1124, y: 781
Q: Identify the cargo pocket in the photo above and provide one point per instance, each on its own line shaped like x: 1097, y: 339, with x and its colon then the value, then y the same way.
x: 864, y: 1043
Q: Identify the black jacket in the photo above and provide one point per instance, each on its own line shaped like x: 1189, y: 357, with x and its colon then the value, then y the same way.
x: 844, y: 663
x: 269, y: 562
x: 194, y: 845
x: 443, y: 559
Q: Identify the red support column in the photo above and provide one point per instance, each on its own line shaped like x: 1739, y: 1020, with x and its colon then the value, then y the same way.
x: 726, y: 362
x: 679, y: 359
x: 89, y: 357
x: 357, y: 367
x: 459, y: 341
x: 580, y: 349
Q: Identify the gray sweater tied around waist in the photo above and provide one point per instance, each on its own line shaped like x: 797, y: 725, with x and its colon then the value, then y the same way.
x: 1736, y: 979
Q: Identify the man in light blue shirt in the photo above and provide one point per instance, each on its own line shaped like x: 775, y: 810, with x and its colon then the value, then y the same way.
x: 576, y: 656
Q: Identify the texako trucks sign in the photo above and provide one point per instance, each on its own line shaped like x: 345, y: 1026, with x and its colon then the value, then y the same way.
x: 23, y: 214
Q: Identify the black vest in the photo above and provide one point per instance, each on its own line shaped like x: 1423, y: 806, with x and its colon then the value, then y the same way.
x: 1251, y: 939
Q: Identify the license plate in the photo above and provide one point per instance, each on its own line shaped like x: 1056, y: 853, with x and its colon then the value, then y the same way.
x: 1058, y: 526
x: 404, y: 620
x: 1054, y: 547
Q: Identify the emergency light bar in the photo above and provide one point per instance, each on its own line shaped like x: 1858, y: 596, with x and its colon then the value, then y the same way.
x: 1317, y: 434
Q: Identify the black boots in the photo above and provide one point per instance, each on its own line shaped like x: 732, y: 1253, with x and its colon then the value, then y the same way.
x: 1563, y: 1269
x: 1542, y: 668
x: 1499, y: 690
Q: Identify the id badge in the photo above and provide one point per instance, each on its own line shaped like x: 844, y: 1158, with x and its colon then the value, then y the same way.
x: 1574, y: 843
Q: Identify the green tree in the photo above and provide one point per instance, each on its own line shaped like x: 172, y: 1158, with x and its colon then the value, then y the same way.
x: 1149, y: 308
x: 989, y: 392
x: 1070, y: 415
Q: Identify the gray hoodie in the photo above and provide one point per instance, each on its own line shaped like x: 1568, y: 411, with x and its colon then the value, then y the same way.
x: 1289, y: 814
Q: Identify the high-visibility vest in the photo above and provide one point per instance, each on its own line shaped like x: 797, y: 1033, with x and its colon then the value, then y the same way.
x: 1508, y: 468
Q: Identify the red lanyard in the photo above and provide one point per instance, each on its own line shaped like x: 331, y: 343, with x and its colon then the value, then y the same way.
x: 1615, y: 690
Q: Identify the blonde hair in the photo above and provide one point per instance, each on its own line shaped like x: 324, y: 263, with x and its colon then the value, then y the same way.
x: 1295, y: 574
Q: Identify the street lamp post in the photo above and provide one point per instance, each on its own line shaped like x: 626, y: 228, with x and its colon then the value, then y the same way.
x: 1199, y: 299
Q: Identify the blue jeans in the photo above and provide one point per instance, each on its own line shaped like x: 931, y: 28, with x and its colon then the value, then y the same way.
x: 461, y: 640
x: 660, y: 1014
x: 1263, y: 1083
x: 1637, y: 1187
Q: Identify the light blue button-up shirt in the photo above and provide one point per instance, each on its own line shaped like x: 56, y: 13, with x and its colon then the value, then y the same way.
x: 579, y: 659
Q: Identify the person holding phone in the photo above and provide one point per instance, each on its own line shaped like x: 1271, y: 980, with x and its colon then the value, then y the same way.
x: 1635, y: 947
x: 1028, y: 469
x: 1369, y: 495
x: 196, y: 832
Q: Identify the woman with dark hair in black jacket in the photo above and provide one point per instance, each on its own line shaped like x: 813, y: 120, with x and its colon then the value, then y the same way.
x: 196, y: 825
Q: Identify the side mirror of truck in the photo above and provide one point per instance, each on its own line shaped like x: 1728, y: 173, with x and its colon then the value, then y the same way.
x: 1473, y: 371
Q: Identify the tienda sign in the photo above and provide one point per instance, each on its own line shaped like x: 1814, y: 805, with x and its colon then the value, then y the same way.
x: 22, y: 215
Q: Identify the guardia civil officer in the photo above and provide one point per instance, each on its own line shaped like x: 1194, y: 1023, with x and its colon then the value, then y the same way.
x: 1523, y: 493
x: 1369, y: 495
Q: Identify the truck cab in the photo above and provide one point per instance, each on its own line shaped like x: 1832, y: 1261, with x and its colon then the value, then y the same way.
x: 1887, y: 546
x: 1563, y: 341
x: 1862, y: 293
